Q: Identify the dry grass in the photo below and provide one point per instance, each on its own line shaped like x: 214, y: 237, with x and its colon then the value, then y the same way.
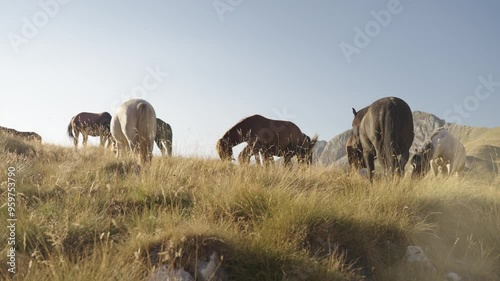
x: 88, y: 216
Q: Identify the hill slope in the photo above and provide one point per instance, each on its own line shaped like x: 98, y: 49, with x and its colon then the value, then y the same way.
x: 88, y: 216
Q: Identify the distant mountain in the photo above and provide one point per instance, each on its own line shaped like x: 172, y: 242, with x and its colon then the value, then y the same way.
x: 482, y: 144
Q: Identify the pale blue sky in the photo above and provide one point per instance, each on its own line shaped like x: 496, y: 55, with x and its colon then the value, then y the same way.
x: 281, y: 59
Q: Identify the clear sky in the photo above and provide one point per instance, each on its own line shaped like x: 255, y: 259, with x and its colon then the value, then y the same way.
x: 227, y: 59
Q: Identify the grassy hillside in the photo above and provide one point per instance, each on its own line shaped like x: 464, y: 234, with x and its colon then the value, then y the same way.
x: 483, y: 148
x: 88, y: 216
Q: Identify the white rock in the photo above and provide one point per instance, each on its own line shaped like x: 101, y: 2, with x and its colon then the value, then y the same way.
x: 452, y: 276
x: 207, y: 271
x: 415, y: 256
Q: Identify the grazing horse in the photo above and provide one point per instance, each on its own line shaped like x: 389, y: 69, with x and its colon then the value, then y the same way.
x: 272, y: 137
x: 442, y: 151
x: 90, y: 124
x: 163, y: 137
x: 29, y: 136
x: 384, y: 129
x: 133, y: 128
x: 354, y: 155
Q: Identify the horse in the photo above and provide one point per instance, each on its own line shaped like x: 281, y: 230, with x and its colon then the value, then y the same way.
x: 441, y: 151
x: 28, y: 136
x: 385, y: 130
x: 90, y: 124
x: 272, y: 137
x: 163, y: 137
x: 133, y: 127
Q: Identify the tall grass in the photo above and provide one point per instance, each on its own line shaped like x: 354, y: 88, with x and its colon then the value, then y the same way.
x: 88, y: 216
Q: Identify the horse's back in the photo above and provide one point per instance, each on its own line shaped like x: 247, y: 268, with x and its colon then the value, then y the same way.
x: 136, y: 116
x: 390, y: 120
x: 448, y: 147
x: 271, y: 131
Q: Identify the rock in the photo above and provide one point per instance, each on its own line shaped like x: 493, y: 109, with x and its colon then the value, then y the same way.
x: 209, y: 270
x: 318, y: 150
x: 334, y: 149
x: 166, y: 273
x: 418, y: 261
x: 452, y: 276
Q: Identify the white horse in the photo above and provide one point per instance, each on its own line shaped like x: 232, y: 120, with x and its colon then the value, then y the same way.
x: 133, y: 128
x: 442, y: 153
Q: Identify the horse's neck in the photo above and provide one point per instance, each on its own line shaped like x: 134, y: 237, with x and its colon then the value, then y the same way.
x: 235, y: 137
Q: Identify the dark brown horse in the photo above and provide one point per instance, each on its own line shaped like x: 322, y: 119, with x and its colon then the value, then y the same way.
x: 29, y: 136
x: 90, y: 124
x: 384, y: 129
x: 163, y: 137
x: 271, y: 137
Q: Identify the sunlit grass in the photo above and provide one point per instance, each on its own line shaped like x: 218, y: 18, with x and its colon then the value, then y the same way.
x: 87, y: 216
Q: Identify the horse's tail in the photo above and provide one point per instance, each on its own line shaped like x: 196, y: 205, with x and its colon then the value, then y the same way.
x: 390, y: 145
x: 70, y: 129
x: 146, y: 127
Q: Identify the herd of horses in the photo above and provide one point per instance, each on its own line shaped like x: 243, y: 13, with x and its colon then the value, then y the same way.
x: 383, y: 131
x: 134, y: 127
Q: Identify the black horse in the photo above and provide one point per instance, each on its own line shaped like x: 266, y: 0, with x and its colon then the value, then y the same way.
x: 384, y: 129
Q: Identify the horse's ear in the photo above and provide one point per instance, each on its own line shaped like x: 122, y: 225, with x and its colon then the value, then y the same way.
x: 354, y: 111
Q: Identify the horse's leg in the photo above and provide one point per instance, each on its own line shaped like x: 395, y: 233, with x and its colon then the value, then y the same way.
x: 169, y: 148
x: 370, y: 164
x: 434, y: 167
x: 160, y: 144
x: 257, y: 156
x: 121, y: 148
x: 405, y: 156
x: 102, y: 141
x: 109, y: 141
x: 244, y: 156
x: 75, y: 140
x: 85, y: 138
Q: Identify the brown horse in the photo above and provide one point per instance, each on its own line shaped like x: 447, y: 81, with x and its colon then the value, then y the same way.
x: 90, y: 124
x: 384, y: 129
x: 163, y: 137
x: 272, y: 137
x: 29, y: 136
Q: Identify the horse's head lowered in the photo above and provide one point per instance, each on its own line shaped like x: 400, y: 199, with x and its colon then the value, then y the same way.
x: 305, y: 150
x: 224, y: 149
x: 354, y: 153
